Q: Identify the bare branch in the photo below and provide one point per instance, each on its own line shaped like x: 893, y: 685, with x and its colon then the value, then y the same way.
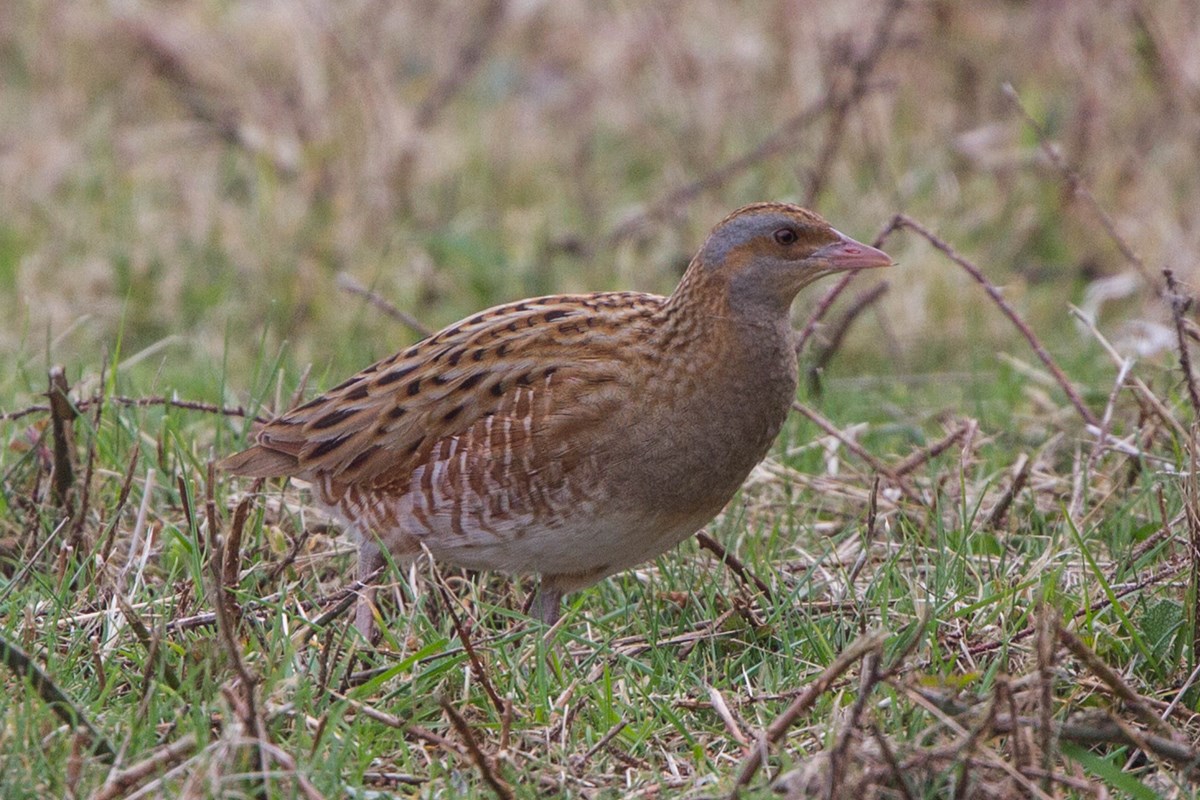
x: 904, y: 221
x: 347, y: 283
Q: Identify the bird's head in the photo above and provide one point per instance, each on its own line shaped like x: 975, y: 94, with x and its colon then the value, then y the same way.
x: 764, y: 254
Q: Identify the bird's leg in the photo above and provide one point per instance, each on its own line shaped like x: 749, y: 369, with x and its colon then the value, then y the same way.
x: 370, y: 559
x: 547, y: 604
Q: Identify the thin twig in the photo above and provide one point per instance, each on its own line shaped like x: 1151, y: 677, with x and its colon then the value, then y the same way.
x: 1020, y: 475
x: 861, y: 71
x: 119, y: 783
x: 733, y: 563
x: 860, y: 451
x: 1114, y: 681
x: 393, y: 779
x: 289, y: 559
x: 140, y: 402
x: 284, y: 759
x: 31, y: 561
x: 1141, y: 390
x: 231, y: 561
x: 857, y: 649
x: 482, y: 762
x: 993, y: 760
x: 76, y: 538
x: 1044, y: 646
x: 821, y: 309
x: 911, y: 462
x: 228, y: 618
x: 1169, y: 571
x: 779, y: 141
x: 342, y: 601
x: 210, y: 513
x: 347, y: 283
x: 1086, y: 728
x: 889, y: 756
x: 1078, y: 187
x: 904, y: 221
x: 1191, y: 509
x: 838, y: 333
x: 979, y: 731
x: 600, y: 745
x: 107, y: 538
x: 464, y: 636
x: 847, y: 442
x: 868, y: 678
x: 1180, y: 303
x: 64, y: 707
x: 147, y: 640
x: 392, y: 721
x: 1106, y: 417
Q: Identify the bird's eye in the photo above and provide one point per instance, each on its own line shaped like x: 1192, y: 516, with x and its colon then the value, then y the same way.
x: 785, y: 236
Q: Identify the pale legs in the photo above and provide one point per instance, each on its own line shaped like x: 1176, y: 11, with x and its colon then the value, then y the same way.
x: 547, y: 605
x: 370, y: 559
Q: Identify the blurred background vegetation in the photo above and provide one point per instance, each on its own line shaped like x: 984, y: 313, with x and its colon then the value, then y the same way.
x: 193, y: 176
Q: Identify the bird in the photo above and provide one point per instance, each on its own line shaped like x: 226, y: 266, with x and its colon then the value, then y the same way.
x: 570, y: 436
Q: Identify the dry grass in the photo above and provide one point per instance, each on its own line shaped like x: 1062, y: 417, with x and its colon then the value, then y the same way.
x: 968, y: 570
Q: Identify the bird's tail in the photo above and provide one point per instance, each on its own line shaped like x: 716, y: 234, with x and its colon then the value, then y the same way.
x: 260, y: 462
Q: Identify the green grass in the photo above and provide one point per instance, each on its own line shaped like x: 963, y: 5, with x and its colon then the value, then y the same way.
x: 645, y: 650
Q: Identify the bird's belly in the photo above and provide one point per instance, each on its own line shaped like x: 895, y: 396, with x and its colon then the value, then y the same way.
x: 549, y: 530
x: 588, y: 539
x: 590, y: 542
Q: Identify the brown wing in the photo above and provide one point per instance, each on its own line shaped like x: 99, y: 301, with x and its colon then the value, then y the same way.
x: 381, y: 423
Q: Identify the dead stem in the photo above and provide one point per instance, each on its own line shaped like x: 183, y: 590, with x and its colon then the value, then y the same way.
x: 482, y: 762
x: 62, y: 418
x: 915, y: 460
x: 861, y: 69
x: 1180, y: 303
x: 838, y: 332
x: 860, y: 451
x: 868, y: 678
x: 733, y: 563
x: 858, y: 649
x: 1020, y: 475
x: 347, y: 283
x: 1114, y: 682
x: 63, y: 707
x: 139, y: 402
x: 904, y: 221
x: 464, y: 636
x: 121, y: 782
x: 1077, y: 185
x: 821, y: 309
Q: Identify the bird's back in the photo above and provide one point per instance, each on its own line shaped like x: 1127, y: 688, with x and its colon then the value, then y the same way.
x: 495, y: 442
x: 375, y: 428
